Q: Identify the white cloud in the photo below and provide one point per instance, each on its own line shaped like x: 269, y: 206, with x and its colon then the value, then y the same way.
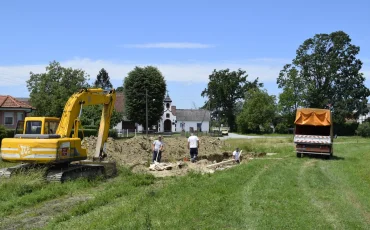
x: 266, y: 70
x: 180, y: 72
x: 17, y: 75
x: 169, y: 45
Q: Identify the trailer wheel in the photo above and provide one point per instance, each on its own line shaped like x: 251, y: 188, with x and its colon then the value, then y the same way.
x: 299, y: 155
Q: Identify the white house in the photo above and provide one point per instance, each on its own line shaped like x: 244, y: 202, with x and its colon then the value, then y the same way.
x: 178, y: 120
x: 172, y: 120
x: 362, y: 118
x: 193, y: 119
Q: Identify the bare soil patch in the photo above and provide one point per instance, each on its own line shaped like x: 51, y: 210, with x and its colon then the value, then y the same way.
x: 136, y: 153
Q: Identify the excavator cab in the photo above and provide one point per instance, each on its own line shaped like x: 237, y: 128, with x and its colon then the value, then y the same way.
x: 37, y: 125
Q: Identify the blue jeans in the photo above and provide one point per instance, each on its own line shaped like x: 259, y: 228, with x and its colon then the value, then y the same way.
x: 157, y: 154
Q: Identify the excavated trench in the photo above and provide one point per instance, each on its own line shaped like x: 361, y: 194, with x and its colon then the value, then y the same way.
x: 136, y: 153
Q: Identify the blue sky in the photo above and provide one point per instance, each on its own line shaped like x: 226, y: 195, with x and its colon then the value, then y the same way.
x: 186, y: 40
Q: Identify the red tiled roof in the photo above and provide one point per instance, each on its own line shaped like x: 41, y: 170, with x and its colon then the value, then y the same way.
x: 7, y: 101
x: 119, y: 105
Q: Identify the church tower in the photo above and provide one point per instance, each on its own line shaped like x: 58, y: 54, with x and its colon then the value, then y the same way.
x: 168, y: 120
x: 167, y: 103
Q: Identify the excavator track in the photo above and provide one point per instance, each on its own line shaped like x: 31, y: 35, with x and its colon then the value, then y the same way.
x: 74, y: 171
x: 60, y: 173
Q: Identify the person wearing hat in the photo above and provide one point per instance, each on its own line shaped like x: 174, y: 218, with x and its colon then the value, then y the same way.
x: 157, y: 148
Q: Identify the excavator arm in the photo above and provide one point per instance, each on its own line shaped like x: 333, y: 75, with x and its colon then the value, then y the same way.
x: 73, y: 110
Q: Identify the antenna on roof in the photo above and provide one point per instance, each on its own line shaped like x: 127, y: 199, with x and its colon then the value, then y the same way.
x: 194, y: 106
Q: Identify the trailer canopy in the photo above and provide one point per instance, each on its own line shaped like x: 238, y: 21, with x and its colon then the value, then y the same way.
x: 315, y: 117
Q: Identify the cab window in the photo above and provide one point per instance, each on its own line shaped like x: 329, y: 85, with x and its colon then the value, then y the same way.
x: 33, y: 127
x: 52, y: 127
x: 20, y: 127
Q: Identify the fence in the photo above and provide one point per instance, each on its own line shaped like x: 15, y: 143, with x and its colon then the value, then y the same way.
x: 127, y: 133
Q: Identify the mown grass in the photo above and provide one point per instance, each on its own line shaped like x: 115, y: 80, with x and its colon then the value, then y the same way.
x: 283, y: 193
x: 28, y: 189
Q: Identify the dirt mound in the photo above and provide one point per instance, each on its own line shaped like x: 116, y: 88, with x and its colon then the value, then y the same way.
x: 137, y: 150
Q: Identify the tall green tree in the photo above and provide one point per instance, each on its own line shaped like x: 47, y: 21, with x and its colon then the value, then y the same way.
x: 91, y: 115
x: 119, y: 89
x: 292, y: 96
x: 139, y: 81
x: 50, y: 91
x: 259, y: 111
x: 103, y: 80
x: 225, y: 89
x: 328, y: 76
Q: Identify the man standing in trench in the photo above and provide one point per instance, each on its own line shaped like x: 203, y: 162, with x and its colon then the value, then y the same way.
x: 157, y: 148
x: 193, y: 145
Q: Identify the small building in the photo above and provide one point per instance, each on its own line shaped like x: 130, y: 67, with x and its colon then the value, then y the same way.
x: 168, y: 122
x: 12, y: 111
x: 191, y: 120
x: 179, y: 120
x: 119, y: 106
x: 172, y: 120
x: 362, y: 118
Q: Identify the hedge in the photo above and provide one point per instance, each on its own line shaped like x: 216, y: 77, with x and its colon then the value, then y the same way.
x: 364, y: 129
x: 90, y: 127
x: 346, y: 129
x: 93, y: 132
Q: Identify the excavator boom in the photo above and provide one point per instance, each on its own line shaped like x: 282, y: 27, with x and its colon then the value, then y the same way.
x: 74, y: 108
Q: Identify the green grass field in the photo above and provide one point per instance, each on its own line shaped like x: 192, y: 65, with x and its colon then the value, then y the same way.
x: 266, y: 193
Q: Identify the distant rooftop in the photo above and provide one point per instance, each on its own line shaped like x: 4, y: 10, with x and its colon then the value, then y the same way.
x: 7, y: 101
x: 193, y: 115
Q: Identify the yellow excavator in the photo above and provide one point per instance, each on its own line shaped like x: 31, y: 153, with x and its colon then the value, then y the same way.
x: 47, y: 141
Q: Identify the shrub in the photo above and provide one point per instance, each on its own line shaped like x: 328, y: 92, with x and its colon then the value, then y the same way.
x: 91, y: 127
x: 113, y: 133
x: 94, y: 132
x: 364, y: 129
x: 10, y: 133
x: 346, y: 129
x: 266, y: 128
x: 281, y: 128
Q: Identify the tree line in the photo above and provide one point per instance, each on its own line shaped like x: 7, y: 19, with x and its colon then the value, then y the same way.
x: 50, y: 91
x: 324, y: 74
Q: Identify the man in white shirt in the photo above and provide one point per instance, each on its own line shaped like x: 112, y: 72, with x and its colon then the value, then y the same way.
x: 157, y: 148
x: 236, y: 155
x: 193, y: 145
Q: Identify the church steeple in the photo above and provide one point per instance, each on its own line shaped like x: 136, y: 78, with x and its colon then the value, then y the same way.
x: 167, y: 99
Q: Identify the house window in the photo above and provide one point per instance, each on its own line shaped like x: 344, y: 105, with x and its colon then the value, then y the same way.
x: 20, y: 116
x: 168, y: 105
x: 167, y: 115
x: 9, y: 118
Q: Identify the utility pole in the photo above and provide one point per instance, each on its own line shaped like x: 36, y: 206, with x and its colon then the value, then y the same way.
x: 146, y: 110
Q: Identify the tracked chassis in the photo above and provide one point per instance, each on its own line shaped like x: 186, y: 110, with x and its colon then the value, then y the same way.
x: 61, y: 173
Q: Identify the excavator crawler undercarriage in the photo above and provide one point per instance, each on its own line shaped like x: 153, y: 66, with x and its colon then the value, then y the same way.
x: 65, y: 172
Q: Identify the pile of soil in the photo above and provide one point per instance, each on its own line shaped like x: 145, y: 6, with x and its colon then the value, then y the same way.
x: 138, y: 150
